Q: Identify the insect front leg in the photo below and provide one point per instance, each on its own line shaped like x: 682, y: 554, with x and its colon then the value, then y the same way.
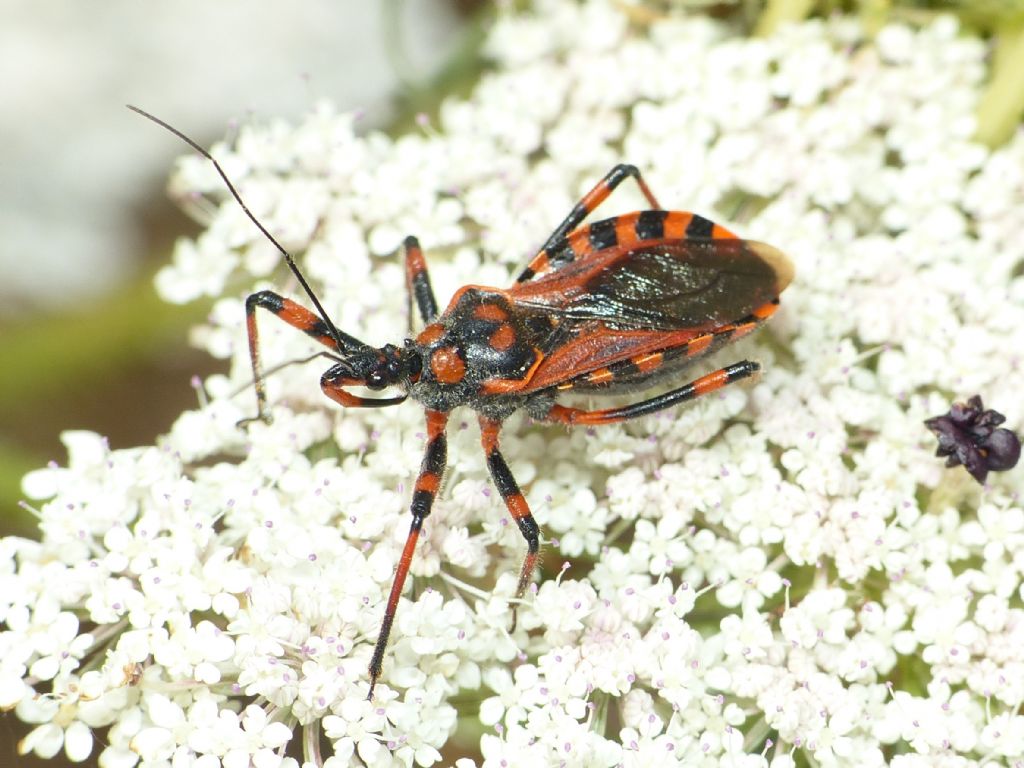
x: 601, y: 191
x: 296, y: 316
x: 514, y: 501
x: 427, y: 484
x: 697, y: 388
x: 417, y: 282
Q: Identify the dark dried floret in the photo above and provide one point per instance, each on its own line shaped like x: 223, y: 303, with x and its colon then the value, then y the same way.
x: 970, y: 435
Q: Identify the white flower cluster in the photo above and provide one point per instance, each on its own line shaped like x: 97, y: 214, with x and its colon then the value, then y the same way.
x: 781, y: 573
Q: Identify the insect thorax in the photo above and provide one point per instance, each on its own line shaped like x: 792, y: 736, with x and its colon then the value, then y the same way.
x: 477, y: 340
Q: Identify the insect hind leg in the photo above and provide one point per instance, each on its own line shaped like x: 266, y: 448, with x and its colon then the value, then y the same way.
x: 601, y: 192
x: 705, y: 385
x: 515, y: 502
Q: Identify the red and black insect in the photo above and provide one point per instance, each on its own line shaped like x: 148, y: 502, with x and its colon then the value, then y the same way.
x: 616, y: 306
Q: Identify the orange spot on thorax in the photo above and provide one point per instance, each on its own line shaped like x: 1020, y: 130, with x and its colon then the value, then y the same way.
x: 447, y: 366
x: 503, y: 338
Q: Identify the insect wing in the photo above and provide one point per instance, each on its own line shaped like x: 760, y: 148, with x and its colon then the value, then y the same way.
x: 594, y: 347
x: 643, y: 296
x: 690, y: 284
x: 694, y: 284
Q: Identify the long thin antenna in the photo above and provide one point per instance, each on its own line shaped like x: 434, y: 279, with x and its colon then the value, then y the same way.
x: 345, y: 342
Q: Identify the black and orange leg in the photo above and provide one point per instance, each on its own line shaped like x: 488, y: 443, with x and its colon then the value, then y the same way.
x: 296, y: 316
x: 601, y: 191
x: 427, y: 484
x: 514, y: 501
x: 417, y: 282
x: 705, y: 385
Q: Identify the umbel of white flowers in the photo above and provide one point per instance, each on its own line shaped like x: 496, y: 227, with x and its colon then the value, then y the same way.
x: 785, y: 572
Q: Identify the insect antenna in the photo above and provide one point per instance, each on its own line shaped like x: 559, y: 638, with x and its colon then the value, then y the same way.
x: 285, y: 364
x: 345, y: 342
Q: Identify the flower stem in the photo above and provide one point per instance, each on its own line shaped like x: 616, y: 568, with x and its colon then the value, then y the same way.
x: 1002, y: 104
x: 779, y: 12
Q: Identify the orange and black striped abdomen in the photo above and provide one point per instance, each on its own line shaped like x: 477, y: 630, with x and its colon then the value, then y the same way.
x: 627, y: 231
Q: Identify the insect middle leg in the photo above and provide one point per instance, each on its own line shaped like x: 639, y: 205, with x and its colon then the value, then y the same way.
x: 697, y: 388
x: 514, y: 501
x: 427, y: 484
x: 601, y: 191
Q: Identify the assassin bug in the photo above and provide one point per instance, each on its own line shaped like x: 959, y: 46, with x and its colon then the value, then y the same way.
x: 612, y: 307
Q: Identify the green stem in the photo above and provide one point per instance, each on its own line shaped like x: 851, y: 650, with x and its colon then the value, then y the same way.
x: 779, y: 12
x: 1002, y: 104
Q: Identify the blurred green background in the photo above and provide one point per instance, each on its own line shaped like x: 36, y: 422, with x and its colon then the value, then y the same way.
x: 84, y: 340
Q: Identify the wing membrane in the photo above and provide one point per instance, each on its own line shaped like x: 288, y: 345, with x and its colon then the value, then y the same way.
x: 694, y: 284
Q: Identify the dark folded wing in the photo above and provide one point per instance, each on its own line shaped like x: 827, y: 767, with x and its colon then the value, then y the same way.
x: 695, y: 284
